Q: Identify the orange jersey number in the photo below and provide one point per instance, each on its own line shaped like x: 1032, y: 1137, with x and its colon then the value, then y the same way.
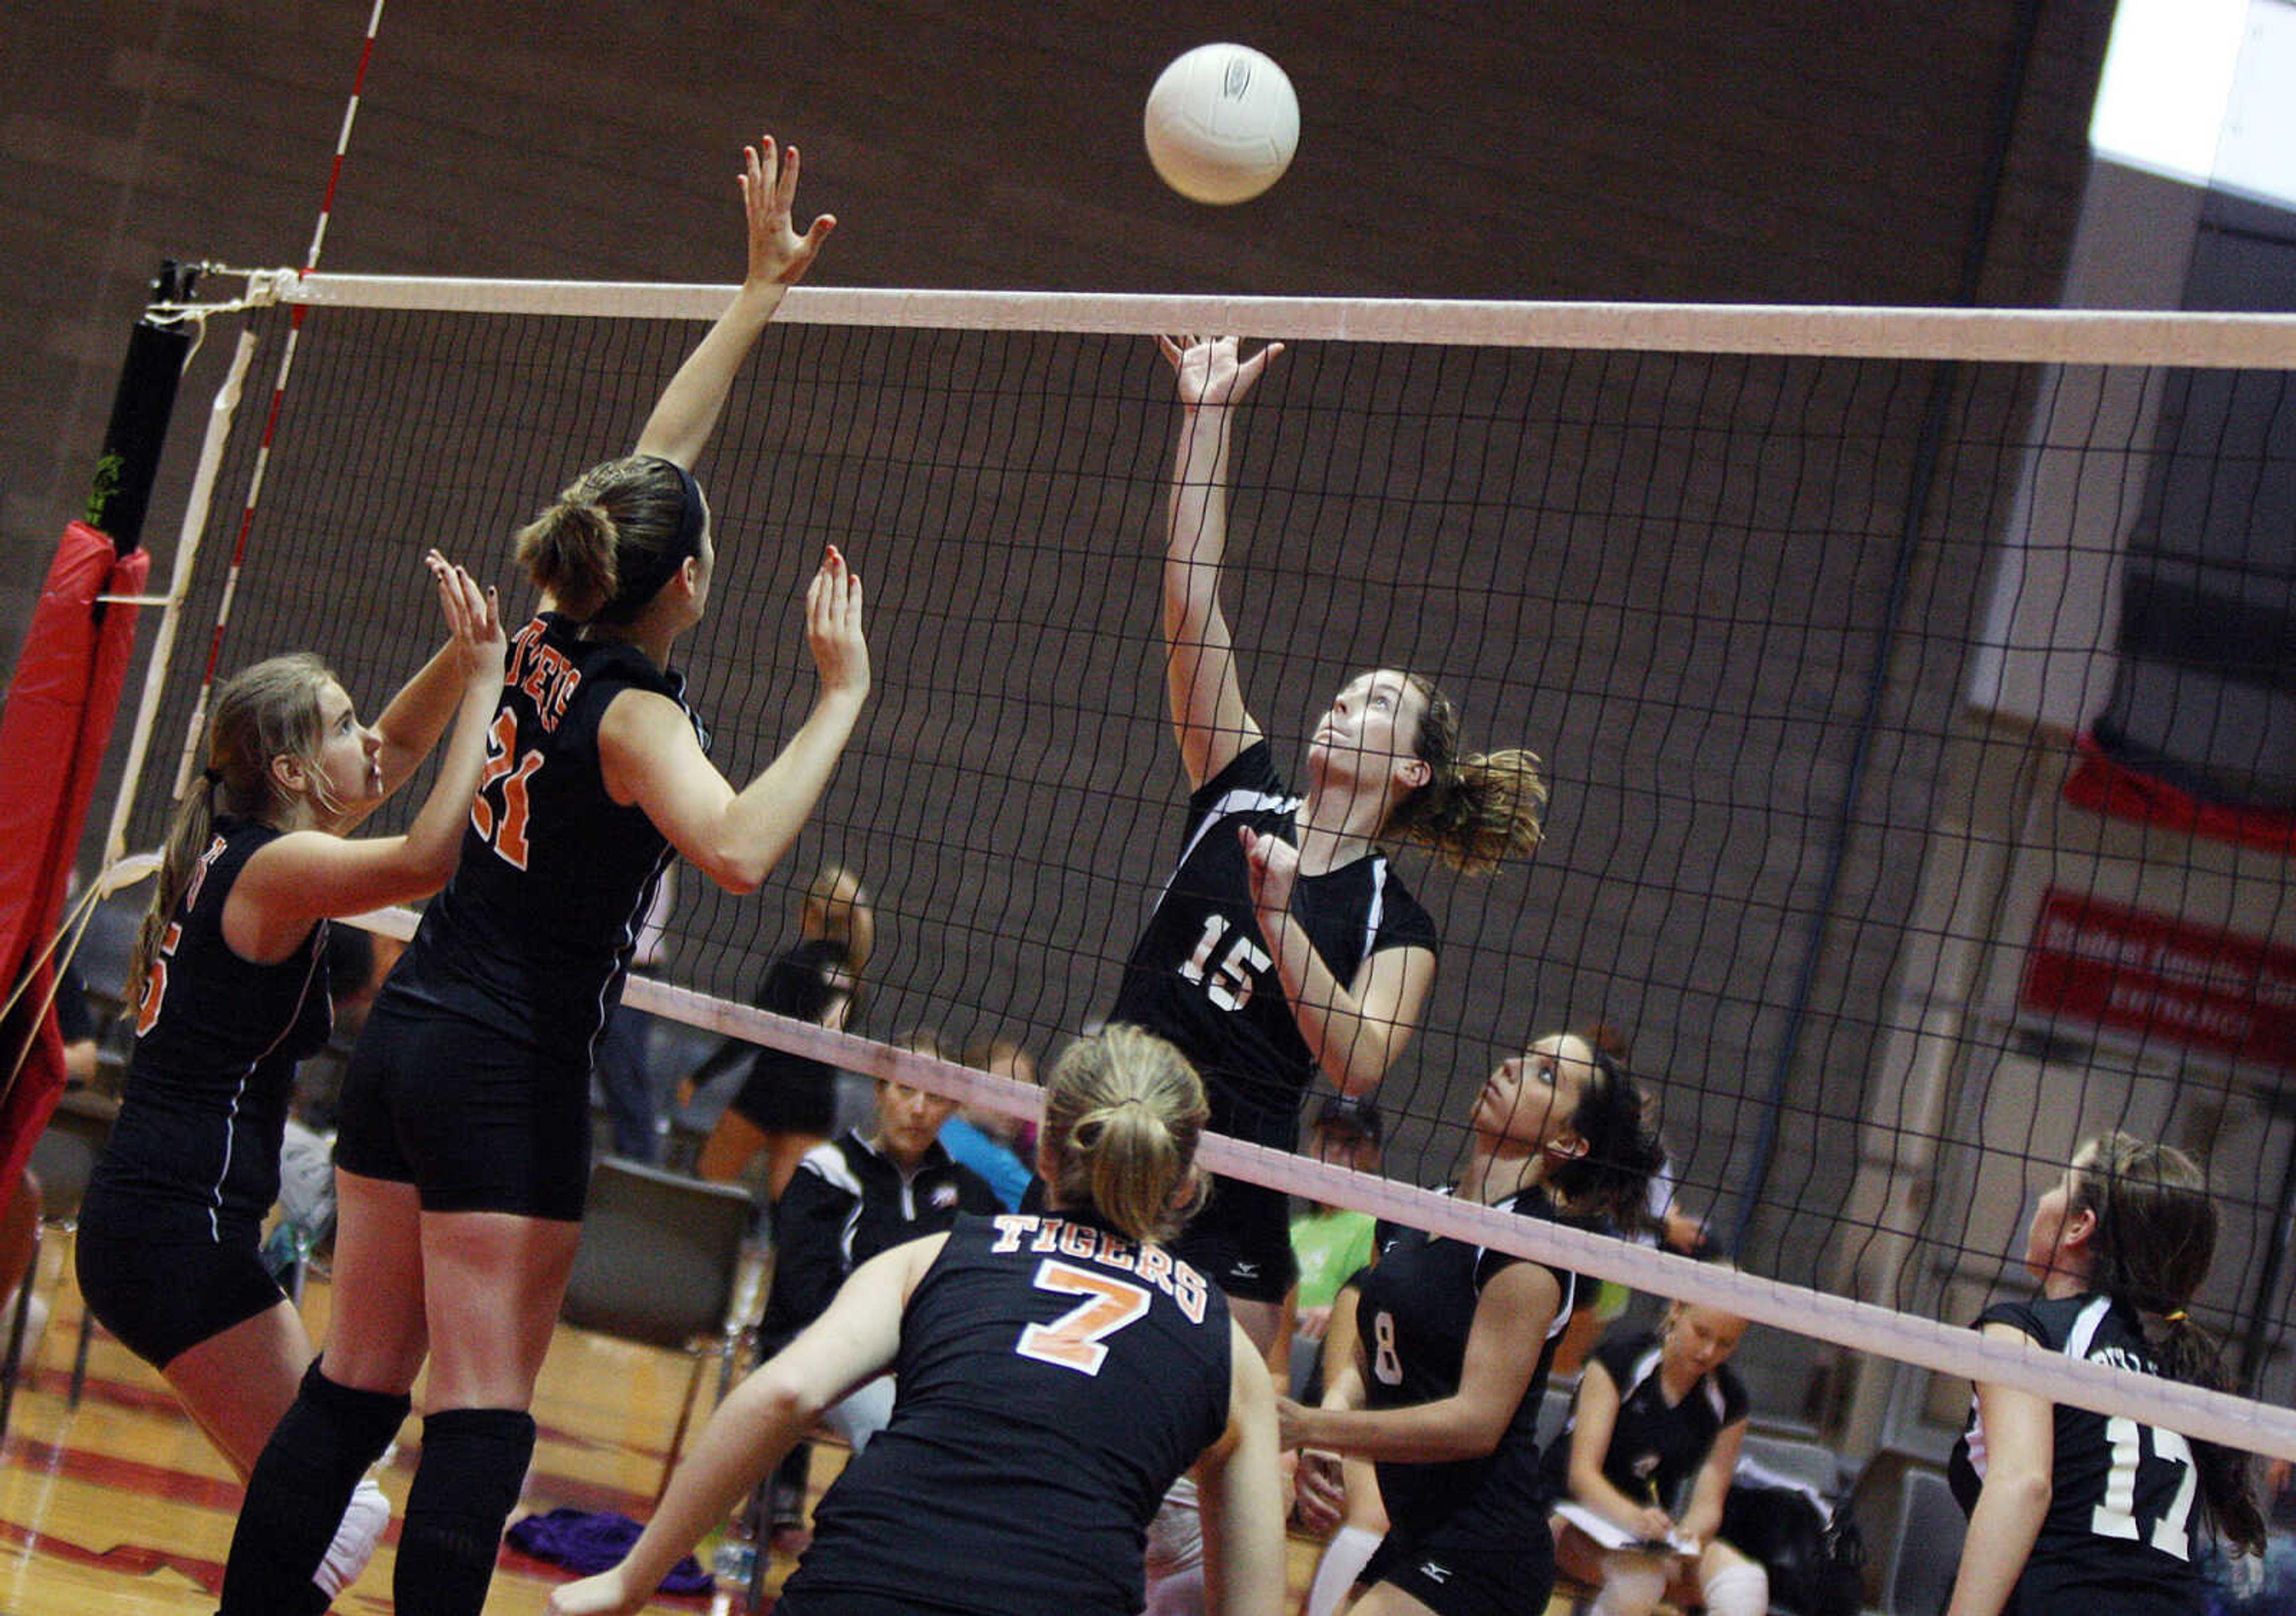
x: 503, y: 828
x: 1074, y: 1341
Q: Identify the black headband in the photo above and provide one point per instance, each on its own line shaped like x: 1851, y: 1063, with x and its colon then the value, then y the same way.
x: 641, y: 587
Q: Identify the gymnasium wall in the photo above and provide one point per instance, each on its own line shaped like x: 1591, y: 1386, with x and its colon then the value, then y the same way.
x: 1799, y: 151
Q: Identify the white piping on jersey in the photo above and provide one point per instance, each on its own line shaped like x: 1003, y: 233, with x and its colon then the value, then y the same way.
x: 2085, y: 1325
x: 629, y: 947
x: 1241, y: 800
x: 1226, y: 805
x: 2090, y: 1319
x: 1647, y: 1365
x: 830, y: 1163
x: 1561, y: 1319
x: 318, y: 946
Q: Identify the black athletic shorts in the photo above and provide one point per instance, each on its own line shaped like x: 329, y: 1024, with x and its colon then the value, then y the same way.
x: 787, y: 1094
x: 475, y: 1121
x: 1241, y: 1240
x: 846, y: 1602
x: 1455, y: 1577
x: 163, y: 1296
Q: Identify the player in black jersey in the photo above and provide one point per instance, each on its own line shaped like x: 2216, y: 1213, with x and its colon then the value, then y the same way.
x: 1644, y: 1468
x: 1455, y: 1342
x: 2072, y: 1512
x: 1282, y: 944
x: 232, y: 991
x: 1055, y: 1371
x: 464, y: 1154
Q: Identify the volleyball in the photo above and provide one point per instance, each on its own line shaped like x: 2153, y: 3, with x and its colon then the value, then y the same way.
x: 1222, y: 124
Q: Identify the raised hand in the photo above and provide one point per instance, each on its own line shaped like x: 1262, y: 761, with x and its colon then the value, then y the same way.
x: 1271, y: 866
x: 474, y: 620
x: 778, y: 254
x: 833, y: 627
x: 1209, y: 371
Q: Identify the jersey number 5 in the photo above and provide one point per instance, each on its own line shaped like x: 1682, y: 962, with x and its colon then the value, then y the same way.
x: 1074, y: 1340
x: 503, y: 828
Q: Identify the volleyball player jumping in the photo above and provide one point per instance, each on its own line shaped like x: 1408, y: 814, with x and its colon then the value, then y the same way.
x: 1284, y: 945
x: 465, y: 1152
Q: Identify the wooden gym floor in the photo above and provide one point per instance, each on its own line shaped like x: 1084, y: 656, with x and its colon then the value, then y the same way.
x: 120, y: 1507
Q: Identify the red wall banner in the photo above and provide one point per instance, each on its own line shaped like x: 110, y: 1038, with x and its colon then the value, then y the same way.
x: 2193, y: 986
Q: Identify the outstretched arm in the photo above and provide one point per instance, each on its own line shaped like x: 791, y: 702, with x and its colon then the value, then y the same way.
x: 779, y: 257
x: 316, y: 874
x: 1209, y: 718
x: 647, y: 753
x: 764, y: 1417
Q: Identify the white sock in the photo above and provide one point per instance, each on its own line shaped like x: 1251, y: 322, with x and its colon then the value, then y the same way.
x: 1632, y: 1585
x: 1742, y: 1588
x: 1349, y: 1550
x: 355, y: 1538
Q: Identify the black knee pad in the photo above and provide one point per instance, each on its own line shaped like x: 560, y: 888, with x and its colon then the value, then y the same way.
x: 323, y: 1445
x: 473, y: 1467
x: 367, y: 1420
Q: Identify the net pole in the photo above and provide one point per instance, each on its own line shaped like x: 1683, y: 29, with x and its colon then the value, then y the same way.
x: 220, y: 415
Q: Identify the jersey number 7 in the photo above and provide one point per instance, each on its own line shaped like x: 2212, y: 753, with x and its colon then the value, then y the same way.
x: 1074, y: 1341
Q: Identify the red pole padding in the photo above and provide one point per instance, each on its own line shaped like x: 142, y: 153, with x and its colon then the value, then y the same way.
x: 53, y: 734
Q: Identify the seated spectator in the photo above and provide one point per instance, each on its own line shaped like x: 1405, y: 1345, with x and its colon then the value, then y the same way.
x: 1643, y: 1469
x: 849, y: 1200
x: 989, y: 1142
x: 1330, y: 1243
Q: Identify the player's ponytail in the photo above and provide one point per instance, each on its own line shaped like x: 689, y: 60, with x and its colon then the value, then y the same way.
x: 1123, y: 1113
x: 1610, y: 1177
x: 613, y: 539
x: 267, y: 711
x: 2154, y: 1239
x: 1478, y: 809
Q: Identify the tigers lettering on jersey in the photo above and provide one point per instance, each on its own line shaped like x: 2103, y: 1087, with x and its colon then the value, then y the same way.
x: 543, y: 672
x: 1152, y: 1264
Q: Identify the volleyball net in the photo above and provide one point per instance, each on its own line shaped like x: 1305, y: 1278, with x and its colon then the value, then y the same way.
x: 1848, y: 637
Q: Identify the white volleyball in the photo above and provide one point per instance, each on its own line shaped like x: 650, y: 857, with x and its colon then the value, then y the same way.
x: 1222, y: 124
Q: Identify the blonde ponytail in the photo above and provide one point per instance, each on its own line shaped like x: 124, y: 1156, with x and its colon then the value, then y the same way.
x: 1123, y: 1113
